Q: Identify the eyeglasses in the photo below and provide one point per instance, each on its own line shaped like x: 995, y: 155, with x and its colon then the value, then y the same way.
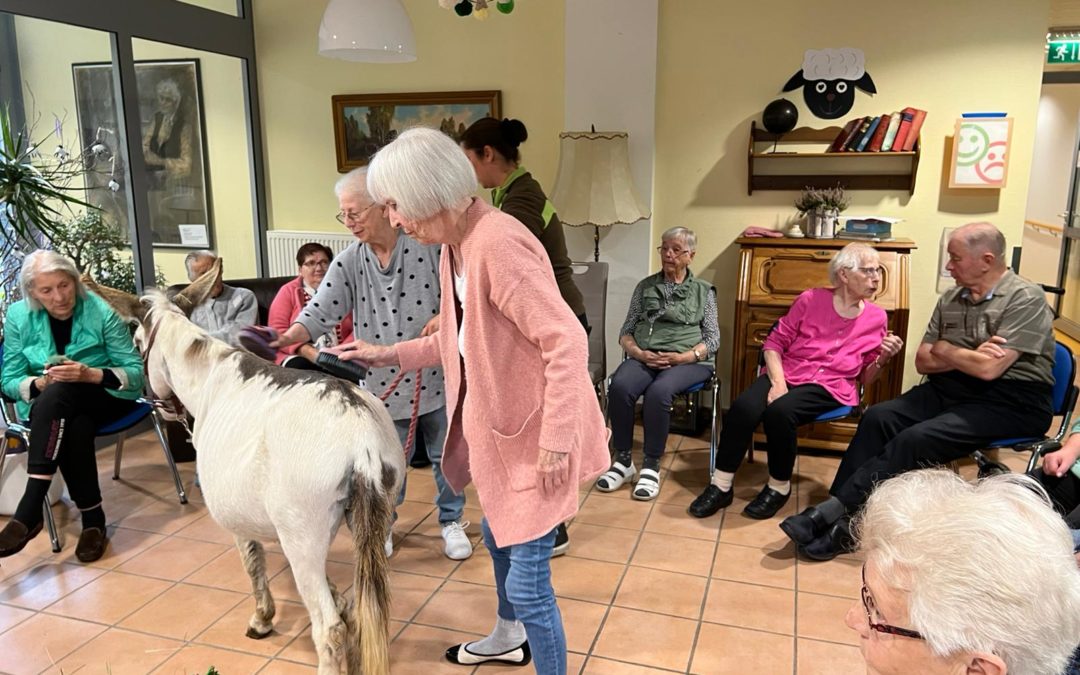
x: 870, y: 271
x: 674, y: 252
x: 871, y: 610
x: 344, y: 217
x: 311, y: 264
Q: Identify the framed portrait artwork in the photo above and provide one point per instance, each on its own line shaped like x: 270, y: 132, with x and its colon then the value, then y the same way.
x: 363, y: 123
x: 173, y: 132
x: 980, y: 152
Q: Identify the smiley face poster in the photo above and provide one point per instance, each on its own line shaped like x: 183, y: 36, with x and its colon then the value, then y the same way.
x: 980, y: 157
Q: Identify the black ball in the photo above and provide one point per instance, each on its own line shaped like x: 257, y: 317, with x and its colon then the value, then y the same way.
x: 780, y: 116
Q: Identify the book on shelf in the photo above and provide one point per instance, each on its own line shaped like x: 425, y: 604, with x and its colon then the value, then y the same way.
x: 879, y: 134
x: 865, y: 140
x: 838, y: 142
x: 890, y: 132
x: 860, y: 131
x: 906, y: 116
x: 917, y: 119
x: 858, y: 236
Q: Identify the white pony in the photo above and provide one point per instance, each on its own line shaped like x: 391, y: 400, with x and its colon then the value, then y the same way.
x: 282, y: 455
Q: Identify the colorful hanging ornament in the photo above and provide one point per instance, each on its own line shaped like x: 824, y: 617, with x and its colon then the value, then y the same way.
x: 463, y: 8
x: 480, y: 9
x: 504, y: 6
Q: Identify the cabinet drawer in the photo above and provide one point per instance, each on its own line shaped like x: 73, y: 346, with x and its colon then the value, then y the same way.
x: 779, y: 275
x: 759, y: 321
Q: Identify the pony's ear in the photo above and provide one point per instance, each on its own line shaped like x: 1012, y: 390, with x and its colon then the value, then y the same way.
x: 199, y: 290
x: 128, y: 306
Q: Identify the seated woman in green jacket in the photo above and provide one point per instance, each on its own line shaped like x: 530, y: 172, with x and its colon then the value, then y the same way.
x: 70, y: 364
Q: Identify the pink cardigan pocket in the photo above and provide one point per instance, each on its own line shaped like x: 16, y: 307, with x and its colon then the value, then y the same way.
x: 518, y: 453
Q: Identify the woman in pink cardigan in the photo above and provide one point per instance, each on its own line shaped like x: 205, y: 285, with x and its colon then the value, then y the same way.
x: 312, y: 260
x: 830, y: 339
x: 525, y: 425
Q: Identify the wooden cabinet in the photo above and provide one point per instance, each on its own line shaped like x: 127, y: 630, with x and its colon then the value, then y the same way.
x: 772, y: 273
x: 787, y: 170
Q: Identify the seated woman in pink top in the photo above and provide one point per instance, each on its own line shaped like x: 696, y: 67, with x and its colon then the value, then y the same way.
x: 830, y: 339
x: 312, y: 259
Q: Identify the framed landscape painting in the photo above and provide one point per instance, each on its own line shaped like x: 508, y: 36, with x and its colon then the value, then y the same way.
x: 363, y: 123
x: 172, y: 128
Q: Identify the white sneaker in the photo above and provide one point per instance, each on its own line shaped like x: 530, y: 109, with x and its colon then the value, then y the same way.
x: 458, y: 546
x: 389, y: 545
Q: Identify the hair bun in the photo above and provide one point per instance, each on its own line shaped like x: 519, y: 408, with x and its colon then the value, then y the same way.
x: 513, y: 131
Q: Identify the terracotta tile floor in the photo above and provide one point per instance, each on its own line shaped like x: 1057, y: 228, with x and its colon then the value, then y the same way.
x: 644, y: 589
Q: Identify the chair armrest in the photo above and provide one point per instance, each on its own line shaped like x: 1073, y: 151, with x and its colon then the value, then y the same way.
x: 1039, y: 447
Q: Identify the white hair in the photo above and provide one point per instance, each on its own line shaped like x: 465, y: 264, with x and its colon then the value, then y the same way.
x: 43, y: 261
x: 191, y: 258
x: 352, y: 183
x: 850, y: 257
x: 423, y: 171
x: 689, y: 239
x: 848, y: 63
x: 988, y: 566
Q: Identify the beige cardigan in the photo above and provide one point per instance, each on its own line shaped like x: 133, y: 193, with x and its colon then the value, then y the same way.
x: 528, y: 380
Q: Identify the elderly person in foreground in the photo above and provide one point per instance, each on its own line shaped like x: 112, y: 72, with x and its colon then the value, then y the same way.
x: 228, y: 309
x: 524, y: 423
x: 829, y: 341
x: 70, y: 364
x: 669, y: 334
x: 312, y: 261
x: 391, y: 285
x: 988, y: 356
x: 965, y: 578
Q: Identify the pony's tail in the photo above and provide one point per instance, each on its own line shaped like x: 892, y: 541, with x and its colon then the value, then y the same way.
x: 369, y: 520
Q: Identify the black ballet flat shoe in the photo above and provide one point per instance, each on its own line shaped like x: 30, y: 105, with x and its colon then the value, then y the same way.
x: 710, y: 501
x: 91, y: 544
x: 15, y: 536
x: 518, y: 656
x: 806, y: 526
x: 831, y: 544
x: 766, y: 504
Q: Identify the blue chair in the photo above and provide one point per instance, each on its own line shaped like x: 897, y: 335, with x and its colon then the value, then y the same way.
x: 1063, y: 399
x: 17, y: 440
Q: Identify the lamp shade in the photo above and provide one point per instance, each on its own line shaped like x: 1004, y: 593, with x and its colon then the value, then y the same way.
x: 594, y: 185
x: 375, y: 31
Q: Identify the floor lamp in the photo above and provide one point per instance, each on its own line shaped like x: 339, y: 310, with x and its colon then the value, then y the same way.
x: 594, y: 185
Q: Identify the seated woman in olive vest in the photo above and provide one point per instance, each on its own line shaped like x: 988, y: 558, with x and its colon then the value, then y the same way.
x: 670, y: 335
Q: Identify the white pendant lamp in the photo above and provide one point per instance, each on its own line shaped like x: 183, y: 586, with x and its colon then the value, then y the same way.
x: 375, y: 31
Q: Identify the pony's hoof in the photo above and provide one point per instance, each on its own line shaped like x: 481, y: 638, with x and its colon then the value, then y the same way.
x: 254, y: 633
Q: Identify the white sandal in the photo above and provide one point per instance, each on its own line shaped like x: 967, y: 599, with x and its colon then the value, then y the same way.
x: 614, y: 478
x: 648, y: 485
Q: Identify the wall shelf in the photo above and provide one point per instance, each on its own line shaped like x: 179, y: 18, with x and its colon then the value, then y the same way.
x: 788, y: 170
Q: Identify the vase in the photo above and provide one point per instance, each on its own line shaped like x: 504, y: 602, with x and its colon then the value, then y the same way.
x: 813, y: 223
x: 829, y: 218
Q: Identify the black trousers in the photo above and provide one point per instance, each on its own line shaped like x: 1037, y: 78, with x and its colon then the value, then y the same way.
x: 947, y: 418
x: 782, y: 419
x: 63, y: 423
x: 1064, y: 492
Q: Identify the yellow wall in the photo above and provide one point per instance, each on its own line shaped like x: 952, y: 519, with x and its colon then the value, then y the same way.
x: 520, y: 53
x: 721, y: 63
x: 46, y: 53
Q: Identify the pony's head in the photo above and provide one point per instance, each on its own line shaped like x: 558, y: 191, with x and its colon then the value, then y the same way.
x: 147, y: 313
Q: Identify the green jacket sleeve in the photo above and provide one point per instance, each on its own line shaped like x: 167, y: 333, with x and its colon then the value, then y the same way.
x: 16, y: 369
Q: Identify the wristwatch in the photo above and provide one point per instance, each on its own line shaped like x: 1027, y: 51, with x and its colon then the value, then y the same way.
x: 699, y: 355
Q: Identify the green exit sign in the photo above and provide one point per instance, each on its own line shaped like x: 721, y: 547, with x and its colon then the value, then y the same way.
x: 1063, y: 51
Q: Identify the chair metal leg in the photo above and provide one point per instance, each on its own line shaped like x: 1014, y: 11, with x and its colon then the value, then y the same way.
x: 119, y: 454
x: 714, y: 434
x: 50, y: 525
x: 169, y: 458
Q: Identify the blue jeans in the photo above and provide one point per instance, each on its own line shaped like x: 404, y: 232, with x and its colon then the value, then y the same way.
x: 433, y: 426
x: 523, y: 582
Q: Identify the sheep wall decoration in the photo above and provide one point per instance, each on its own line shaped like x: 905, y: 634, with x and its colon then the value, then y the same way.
x: 829, y: 77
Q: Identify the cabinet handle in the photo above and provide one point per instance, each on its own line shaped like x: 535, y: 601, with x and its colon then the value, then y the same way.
x: 819, y: 255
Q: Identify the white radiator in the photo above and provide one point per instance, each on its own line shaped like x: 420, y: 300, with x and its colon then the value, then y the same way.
x: 282, y: 245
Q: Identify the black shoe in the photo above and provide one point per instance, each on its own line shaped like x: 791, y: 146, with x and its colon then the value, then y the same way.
x: 710, y: 501
x: 831, y: 544
x: 518, y: 656
x: 91, y: 544
x: 805, y: 527
x: 766, y: 504
x: 562, y: 541
x: 15, y: 536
